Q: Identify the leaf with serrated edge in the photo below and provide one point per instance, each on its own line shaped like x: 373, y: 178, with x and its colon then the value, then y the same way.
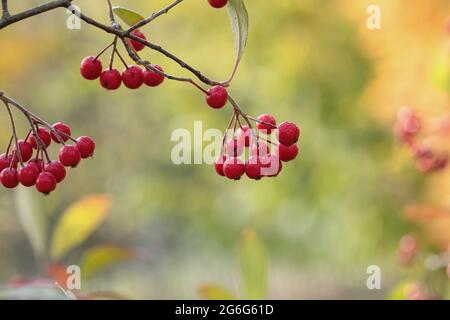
x: 239, y: 23
x: 128, y: 16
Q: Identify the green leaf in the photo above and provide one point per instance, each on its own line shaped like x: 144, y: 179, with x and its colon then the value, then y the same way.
x: 239, y: 23
x: 254, y: 265
x: 128, y: 16
x: 213, y: 292
x: 103, y: 256
x: 77, y: 223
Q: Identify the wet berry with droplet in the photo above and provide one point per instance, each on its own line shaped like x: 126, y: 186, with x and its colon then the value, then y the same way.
x: 253, y: 168
x: 289, y: 153
x: 43, y: 135
x: 288, y: 133
x: 56, y: 169
x: 111, y: 79
x: 63, y: 130
x: 218, y: 164
x: 46, y: 182
x: 9, y: 178
x: 266, y: 123
x: 69, y: 156
x: 136, y: 44
x: 86, y: 146
x: 28, y: 175
x: 218, y: 3
x: 217, y: 97
x: 133, y: 77
x: 91, y: 68
x: 152, y: 78
x: 233, y: 168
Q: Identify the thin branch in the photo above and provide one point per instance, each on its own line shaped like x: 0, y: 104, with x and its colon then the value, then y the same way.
x: 6, y: 21
x: 111, y: 16
x: 135, y: 57
x: 154, y: 16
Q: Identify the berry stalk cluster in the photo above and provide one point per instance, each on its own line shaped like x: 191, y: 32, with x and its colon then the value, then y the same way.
x: 27, y: 161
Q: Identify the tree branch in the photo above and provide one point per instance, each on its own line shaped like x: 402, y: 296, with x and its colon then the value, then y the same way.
x: 10, y: 19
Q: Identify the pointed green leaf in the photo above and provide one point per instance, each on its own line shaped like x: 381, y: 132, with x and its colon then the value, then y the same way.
x: 77, y: 223
x: 128, y: 16
x: 239, y: 23
x: 103, y: 256
x: 254, y: 265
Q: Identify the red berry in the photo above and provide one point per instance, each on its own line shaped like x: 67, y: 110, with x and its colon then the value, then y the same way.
x: 287, y: 153
x: 39, y: 164
x: 260, y: 149
x: 152, y: 78
x: 288, y: 133
x: 136, y: 44
x: 26, y: 151
x: 91, y: 68
x: 28, y: 175
x: 253, y: 168
x: 233, y: 168
x: 219, y: 164
x: 111, y: 79
x: 217, y: 97
x: 267, y: 123
x: 63, y: 130
x: 69, y: 156
x: 273, y: 166
x: 5, y: 161
x: 56, y: 169
x: 233, y: 147
x: 244, y: 134
x: 9, y: 178
x: 45, y: 182
x: 218, y: 3
x: 133, y: 77
x: 86, y: 146
x: 43, y: 134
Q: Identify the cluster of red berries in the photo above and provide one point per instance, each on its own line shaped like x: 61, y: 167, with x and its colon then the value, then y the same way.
x: 218, y: 3
x: 35, y: 170
x: 263, y: 161
x: 407, y: 129
x: 133, y: 77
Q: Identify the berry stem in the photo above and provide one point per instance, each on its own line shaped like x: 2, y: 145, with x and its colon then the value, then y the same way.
x: 111, y: 60
x: 9, y: 145
x: 16, y: 141
x: 121, y: 58
x: 103, y: 50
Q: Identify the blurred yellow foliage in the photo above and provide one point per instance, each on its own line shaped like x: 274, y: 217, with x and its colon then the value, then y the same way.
x: 78, y: 222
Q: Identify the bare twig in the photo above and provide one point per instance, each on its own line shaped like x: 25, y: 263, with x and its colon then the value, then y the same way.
x: 154, y: 16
